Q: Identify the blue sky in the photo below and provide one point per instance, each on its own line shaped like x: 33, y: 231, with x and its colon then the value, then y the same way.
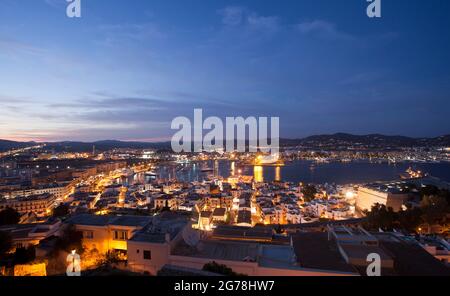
x: 125, y: 69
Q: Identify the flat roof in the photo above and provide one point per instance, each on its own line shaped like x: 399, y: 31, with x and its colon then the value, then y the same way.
x: 314, y: 250
x: 276, y: 256
x: 175, y: 270
x: 362, y: 251
x: 219, y: 212
x: 411, y: 259
x: 244, y: 217
x: 156, y: 230
x: 96, y: 220
x: 206, y: 214
x: 220, y: 250
x: 236, y: 232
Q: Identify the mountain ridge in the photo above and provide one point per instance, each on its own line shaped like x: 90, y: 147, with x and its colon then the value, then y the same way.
x: 323, y: 140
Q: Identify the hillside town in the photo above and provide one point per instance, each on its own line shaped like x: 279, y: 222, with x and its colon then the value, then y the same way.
x: 127, y: 210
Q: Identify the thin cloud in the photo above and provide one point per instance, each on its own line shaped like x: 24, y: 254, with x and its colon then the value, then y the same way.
x: 323, y: 29
x: 268, y: 23
x: 114, y: 34
x: 232, y: 15
x: 236, y: 16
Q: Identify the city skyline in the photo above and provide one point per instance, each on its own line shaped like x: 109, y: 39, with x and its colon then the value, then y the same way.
x: 124, y: 72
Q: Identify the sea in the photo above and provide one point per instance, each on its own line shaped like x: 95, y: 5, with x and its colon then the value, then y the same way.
x: 355, y: 172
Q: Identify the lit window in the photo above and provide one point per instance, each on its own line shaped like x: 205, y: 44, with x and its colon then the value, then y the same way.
x: 120, y: 235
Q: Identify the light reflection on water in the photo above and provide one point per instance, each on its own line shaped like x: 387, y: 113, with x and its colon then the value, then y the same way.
x: 307, y: 171
x: 297, y: 171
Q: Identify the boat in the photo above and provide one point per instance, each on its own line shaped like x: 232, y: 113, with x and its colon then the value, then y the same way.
x: 410, y: 173
x: 269, y: 160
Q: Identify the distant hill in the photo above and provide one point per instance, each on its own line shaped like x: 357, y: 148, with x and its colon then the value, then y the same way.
x: 372, y: 140
x: 104, y: 145
x: 438, y: 141
x: 325, y: 141
x: 6, y: 145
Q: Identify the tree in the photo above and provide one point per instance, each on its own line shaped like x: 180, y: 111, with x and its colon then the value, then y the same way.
x: 410, y: 219
x: 309, y: 192
x: 110, y: 258
x: 9, y: 216
x: 428, y: 190
x: 70, y: 240
x: 5, y: 242
x: 279, y: 229
x: 434, y: 209
x: 381, y: 217
x: 61, y: 211
x: 24, y: 255
x: 220, y: 269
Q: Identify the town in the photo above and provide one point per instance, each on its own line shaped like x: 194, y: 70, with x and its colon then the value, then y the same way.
x: 195, y: 146
x: 132, y: 208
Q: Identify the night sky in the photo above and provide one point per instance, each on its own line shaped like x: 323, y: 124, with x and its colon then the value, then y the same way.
x: 126, y: 68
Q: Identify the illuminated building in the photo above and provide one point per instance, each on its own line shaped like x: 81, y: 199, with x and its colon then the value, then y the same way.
x: 41, y: 204
x: 122, y: 196
x: 268, y: 159
x: 253, y: 252
x: 389, y: 196
x: 244, y: 218
x: 220, y: 214
x: 59, y: 190
x: 163, y: 201
x: 205, y: 220
x: 25, y: 235
x: 149, y: 249
x: 108, y: 233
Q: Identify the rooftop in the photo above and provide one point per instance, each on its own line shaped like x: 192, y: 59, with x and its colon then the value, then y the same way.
x: 244, y: 217
x: 411, y: 259
x: 155, y: 232
x: 219, y: 212
x: 276, y: 256
x: 95, y: 220
x: 219, y: 250
x: 206, y: 214
x: 239, y: 233
x: 314, y: 250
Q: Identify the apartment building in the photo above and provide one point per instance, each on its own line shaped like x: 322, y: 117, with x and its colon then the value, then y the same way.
x: 59, y: 190
x: 384, y: 194
x: 41, y: 204
x: 108, y: 233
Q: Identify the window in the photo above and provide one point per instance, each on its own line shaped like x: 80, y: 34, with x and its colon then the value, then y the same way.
x: 88, y: 234
x: 137, y: 251
x: 147, y: 255
x: 120, y: 235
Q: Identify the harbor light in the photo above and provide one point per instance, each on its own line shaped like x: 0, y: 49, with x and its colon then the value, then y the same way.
x: 349, y: 194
